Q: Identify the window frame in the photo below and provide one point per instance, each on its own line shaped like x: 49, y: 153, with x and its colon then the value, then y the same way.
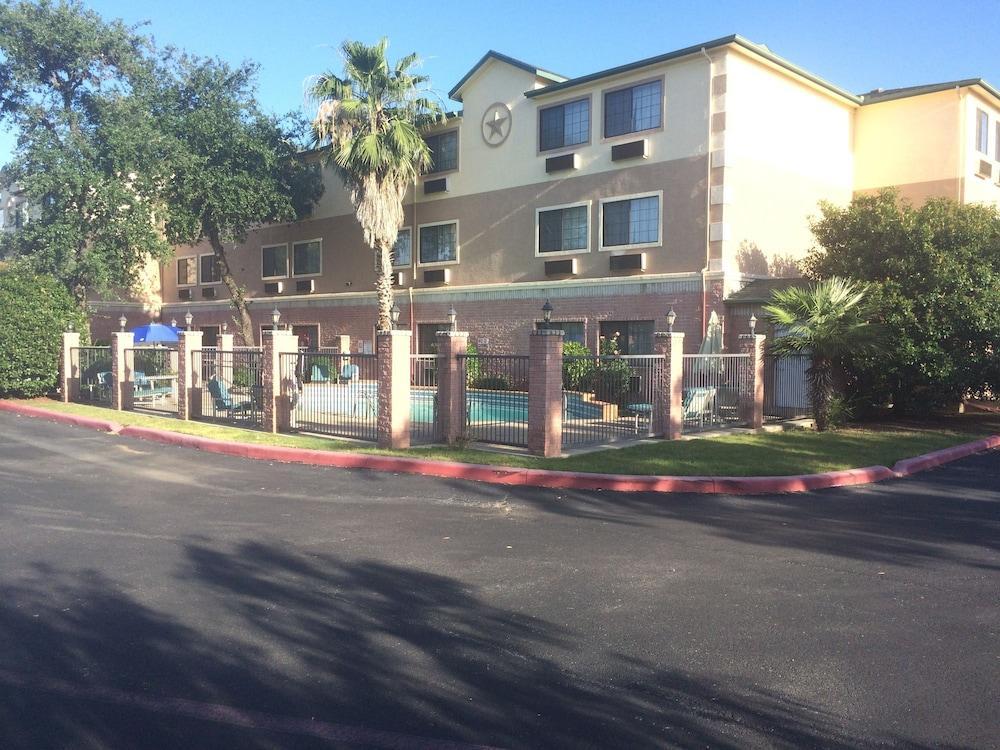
x: 291, y: 259
x: 996, y: 145
x: 658, y: 194
x: 628, y: 323
x: 197, y: 271
x: 409, y: 229
x: 589, y: 98
x: 540, y: 324
x: 439, y: 263
x: 288, y: 262
x: 633, y: 84
x: 458, y: 151
x: 202, y: 282
x: 983, y: 129
x: 588, y: 204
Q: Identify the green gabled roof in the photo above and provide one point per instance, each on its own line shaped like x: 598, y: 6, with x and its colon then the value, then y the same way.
x: 736, y: 39
x: 888, y: 95
x: 494, y: 55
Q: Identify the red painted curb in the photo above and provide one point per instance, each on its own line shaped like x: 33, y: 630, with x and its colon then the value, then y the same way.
x: 103, y: 425
x: 525, y: 477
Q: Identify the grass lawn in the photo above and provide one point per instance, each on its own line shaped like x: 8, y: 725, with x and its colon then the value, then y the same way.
x: 764, y: 454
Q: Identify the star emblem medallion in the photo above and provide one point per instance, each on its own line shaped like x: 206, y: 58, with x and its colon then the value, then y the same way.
x: 496, y: 124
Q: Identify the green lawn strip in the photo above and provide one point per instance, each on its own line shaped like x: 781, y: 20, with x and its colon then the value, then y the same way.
x: 762, y: 454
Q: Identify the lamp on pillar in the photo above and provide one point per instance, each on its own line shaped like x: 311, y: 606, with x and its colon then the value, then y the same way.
x: 122, y: 322
x: 173, y: 322
x: 188, y: 319
x: 753, y: 324
x: 671, y: 317
x: 547, y: 314
x: 452, y: 317
x: 225, y: 326
x: 394, y: 315
x: 275, y: 317
x: 69, y: 326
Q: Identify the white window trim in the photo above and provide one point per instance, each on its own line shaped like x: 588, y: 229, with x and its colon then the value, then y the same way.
x: 291, y: 259
x: 438, y: 263
x: 207, y: 283
x: 555, y: 253
x: 288, y: 261
x: 197, y: 271
x: 658, y: 194
x: 980, y: 115
x: 413, y: 244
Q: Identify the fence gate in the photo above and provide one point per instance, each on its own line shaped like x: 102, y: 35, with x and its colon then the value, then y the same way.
x: 786, y: 390
x: 496, y: 398
x: 232, y: 386
x: 718, y: 390
x: 332, y: 394
x: 423, y: 398
x: 95, y: 374
x: 154, y: 379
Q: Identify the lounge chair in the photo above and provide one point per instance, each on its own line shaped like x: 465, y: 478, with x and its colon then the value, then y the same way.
x: 349, y: 373
x: 222, y: 401
x: 320, y: 373
x: 699, y: 405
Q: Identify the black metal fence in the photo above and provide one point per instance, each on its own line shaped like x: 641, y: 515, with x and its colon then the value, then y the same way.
x: 496, y: 398
x: 786, y: 390
x: 423, y: 398
x: 609, y: 398
x: 332, y: 394
x: 718, y: 390
x: 154, y: 379
x: 232, y: 387
x: 95, y: 374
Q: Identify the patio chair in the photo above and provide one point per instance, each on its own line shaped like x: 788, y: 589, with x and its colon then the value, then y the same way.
x: 699, y: 405
x: 349, y: 373
x: 223, y: 401
x: 639, y: 410
x: 104, y: 383
x: 320, y: 373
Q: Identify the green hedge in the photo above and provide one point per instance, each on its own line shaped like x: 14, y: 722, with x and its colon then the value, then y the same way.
x: 34, y: 311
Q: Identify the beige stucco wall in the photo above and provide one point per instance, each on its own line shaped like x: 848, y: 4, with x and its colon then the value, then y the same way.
x: 787, y: 145
x: 976, y: 189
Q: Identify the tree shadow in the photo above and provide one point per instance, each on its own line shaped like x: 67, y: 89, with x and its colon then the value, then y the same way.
x: 352, y: 642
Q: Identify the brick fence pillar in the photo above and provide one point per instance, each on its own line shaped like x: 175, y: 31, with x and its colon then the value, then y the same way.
x: 753, y: 344
x: 69, y: 367
x: 122, y: 365
x: 451, y: 385
x: 275, y: 401
x: 393, y: 348
x: 668, y: 406
x: 189, y: 375
x: 545, y: 360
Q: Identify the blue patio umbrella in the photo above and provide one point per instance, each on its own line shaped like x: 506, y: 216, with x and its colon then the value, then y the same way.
x: 156, y: 333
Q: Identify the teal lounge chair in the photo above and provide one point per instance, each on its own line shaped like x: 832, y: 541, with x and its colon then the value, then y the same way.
x: 349, y: 373
x: 320, y: 373
x: 222, y: 401
x: 699, y: 405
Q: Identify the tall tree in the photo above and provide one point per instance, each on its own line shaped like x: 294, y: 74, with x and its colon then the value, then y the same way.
x: 368, y: 122
x: 88, y: 153
x: 233, y: 167
x: 830, y: 322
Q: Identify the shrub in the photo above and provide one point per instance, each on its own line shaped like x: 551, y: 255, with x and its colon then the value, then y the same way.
x: 34, y: 311
x: 611, y: 382
x: 472, y: 363
x: 576, y: 372
x: 493, y: 383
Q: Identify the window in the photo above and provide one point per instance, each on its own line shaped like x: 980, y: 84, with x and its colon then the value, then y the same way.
x: 307, y: 258
x: 402, y: 251
x: 996, y: 144
x: 564, y: 125
x: 633, y: 109
x: 444, y: 151
x: 564, y: 230
x: 210, y: 336
x: 209, y: 269
x: 427, y: 337
x: 572, y: 330
x: 632, y: 336
x: 308, y: 336
x: 982, y: 132
x: 274, y: 262
x: 186, y: 270
x: 439, y: 243
x: 633, y: 221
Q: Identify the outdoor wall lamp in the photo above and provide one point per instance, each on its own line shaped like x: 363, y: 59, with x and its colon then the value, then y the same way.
x: 547, y: 313
x: 173, y: 322
x: 753, y: 324
x: 225, y: 326
x: 394, y: 315
x: 452, y: 318
x: 671, y: 317
x: 121, y: 322
x: 275, y: 317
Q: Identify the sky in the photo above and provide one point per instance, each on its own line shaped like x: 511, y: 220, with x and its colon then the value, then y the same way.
x: 856, y: 45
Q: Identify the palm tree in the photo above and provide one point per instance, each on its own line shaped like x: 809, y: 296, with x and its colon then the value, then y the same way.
x: 368, y: 121
x: 830, y: 322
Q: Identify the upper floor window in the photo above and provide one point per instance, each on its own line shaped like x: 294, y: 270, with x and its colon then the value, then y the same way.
x: 982, y: 132
x: 564, y: 125
x: 307, y: 258
x: 439, y: 243
x: 209, y: 269
x: 564, y: 229
x: 996, y: 144
x: 633, y: 109
x: 444, y: 151
x: 186, y: 270
x: 274, y: 262
x: 631, y: 221
x: 402, y: 251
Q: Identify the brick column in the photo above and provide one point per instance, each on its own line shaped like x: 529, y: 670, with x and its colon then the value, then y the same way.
x: 451, y: 386
x: 189, y: 375
x: 545, y: 360
x: 668, y: 398
x: 69, y: 367
x: 393, y: 425
x: 276, y: 406
x: 122, y: 389
x: 753, y: 344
